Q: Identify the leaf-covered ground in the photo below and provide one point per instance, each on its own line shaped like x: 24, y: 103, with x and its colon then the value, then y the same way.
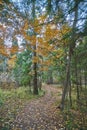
x: 40, y: 114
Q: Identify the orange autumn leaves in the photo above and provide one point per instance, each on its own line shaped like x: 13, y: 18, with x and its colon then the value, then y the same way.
x: 3, y: 50
x: 6, y: 50
x: 42, y: 37
x: 1, y: 2
x: 11, y: 61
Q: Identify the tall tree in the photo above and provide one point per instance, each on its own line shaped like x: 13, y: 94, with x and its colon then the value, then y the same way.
x: 75, y: 10
x: 35, y: 90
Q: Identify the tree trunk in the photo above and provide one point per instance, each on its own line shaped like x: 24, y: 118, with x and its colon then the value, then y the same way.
x: 71, y: 50
x: 80, y: 80
x: 76, y: 75
x: 35, y: 86
x: 85, y: 78
x: 70, y: 93
x: 66, y: 84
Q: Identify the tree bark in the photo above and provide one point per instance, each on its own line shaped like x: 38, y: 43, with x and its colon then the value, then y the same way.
x: 70, y: 93
x: 66, y: 84
x: 76, y: 75
x: 35, y: 86
x: 71, y: 50
x: 80, y: 80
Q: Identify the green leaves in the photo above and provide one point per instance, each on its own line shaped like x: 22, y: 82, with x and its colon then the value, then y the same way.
x: 6, y: 1
x: 23, y: 67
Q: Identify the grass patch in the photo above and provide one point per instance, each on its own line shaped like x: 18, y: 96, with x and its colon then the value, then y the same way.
x: 20, y: 93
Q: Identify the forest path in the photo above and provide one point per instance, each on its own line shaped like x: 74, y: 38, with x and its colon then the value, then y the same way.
x: 40, y: 114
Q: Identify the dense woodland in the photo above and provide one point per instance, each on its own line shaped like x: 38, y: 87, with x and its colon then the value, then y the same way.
x: 43, y: 54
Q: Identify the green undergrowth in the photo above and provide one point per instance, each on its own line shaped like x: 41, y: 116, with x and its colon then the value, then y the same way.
x: 12, y: 102
x: 75, y: 116
x: 21, y: 93
x: 74, y: 120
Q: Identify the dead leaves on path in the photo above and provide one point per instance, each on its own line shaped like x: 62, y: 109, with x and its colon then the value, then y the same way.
x: 40, y: 114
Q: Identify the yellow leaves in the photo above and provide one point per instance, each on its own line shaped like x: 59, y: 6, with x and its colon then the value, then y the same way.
x: 65, y: 29
x: 6, y: 51
x: 26, y: 25
x: 46, y: 38
x: 50, y: 48
x: 37, y: 29
x: 33, y: 40
x: 47, y: 62
x: 42, y: 49
x: 40, y: 40
x: 11, y: 61
x: 36, y: 22
x: 2, y: 31
x: 35, y: 59
x: 3, y: 51
x: 27, y: 37
x: 1, y: 2
x: 51, y: 31
x: 43, y: 52
x: 4, y: 54
x: 58, y: 53
x: 42, y: 18
x: 33, y: 43
x: 13, y: 49
x: 48, y: 32
x: 24, y: 29
x: 58, y: 56
x: 40, y: 61
x: 43, y: 69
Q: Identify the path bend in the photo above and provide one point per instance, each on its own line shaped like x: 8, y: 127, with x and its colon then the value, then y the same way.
x: 40, y: 114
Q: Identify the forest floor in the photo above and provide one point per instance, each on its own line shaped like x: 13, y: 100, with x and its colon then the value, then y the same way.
x: 41, y: 113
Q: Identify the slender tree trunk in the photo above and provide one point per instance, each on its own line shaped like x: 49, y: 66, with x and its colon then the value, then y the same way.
x: 71, y: 49
x: 35, y: 90
x: 66, y: 84
x: 80, y: 80
x: 35, y: 86
x: 70, y: 93
x: 76, y: 75
x: 85, y: 79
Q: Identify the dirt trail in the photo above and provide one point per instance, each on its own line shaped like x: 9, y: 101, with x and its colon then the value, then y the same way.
x: 40, y: 114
